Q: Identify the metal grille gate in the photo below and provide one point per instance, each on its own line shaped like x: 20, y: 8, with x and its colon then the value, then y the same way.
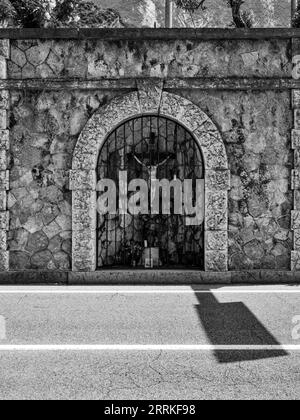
x: 170, y: 151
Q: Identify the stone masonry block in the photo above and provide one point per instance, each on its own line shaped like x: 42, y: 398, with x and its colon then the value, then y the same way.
x: 84, y: 250
x: 83, y: 261
x: 3, y: 159
x: 297, y: 158
x: 3, y: 201
x: 3, y: 119
x: 4, y: 139
x: 295, y: 182
x: 216, y: 240
x: 3, y: 240
x: 84, y: 241
x: 4, y: 180
x: 296, y: 98
x: 216, y: 203
x: 295, y: 139
x: 295, y: 260
x: 190, y: 115
x: 216, y: 261
x: 295, y: 214
x: 218, y: 180
x: 3, y: 68
x: 4, y: 99
x: 4, y: 220
x: 149, y: 95
x: 4, y: 260
x: 4, y: 48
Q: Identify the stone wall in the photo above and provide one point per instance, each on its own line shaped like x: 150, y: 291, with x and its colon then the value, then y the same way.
x: 242, y: 82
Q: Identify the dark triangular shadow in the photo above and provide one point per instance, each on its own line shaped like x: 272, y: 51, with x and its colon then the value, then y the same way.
x: 234, y: 324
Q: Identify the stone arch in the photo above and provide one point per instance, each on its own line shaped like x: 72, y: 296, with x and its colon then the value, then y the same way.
x: 149, y: 99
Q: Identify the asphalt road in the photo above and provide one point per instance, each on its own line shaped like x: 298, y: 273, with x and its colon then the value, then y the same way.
x: 240, y: 338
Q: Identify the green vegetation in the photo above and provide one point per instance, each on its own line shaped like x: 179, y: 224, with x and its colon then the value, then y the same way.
x: 56, y: 13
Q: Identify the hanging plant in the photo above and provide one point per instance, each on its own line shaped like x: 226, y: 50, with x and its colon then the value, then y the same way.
x: 190, y: 5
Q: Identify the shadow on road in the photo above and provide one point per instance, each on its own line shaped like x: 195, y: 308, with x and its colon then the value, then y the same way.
x: 234, y: 324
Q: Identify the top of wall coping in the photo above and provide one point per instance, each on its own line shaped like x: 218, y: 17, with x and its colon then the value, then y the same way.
x: 149, y: 33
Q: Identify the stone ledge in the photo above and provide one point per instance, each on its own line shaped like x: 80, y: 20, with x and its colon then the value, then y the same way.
x: 149, y: 33
x: 143, y: 277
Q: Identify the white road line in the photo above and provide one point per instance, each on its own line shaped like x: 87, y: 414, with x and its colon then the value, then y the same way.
x: 144, y: 292
x: 147, y: 347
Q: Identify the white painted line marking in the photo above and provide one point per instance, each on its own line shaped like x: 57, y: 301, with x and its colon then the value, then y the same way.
x: 143, y: 292
x: 147, y: 347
